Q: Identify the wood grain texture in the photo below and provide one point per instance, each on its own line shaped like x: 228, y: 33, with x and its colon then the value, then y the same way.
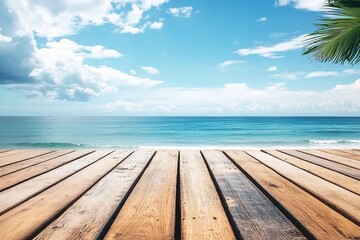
x: 4, y: 150
x: 345, y: 202
x: 255, y: 216
x: 88, y: 216
x: 322, y: 221
x: 202, y: 215
x: 149, y: 212
x: 348, y: 153
x: 63, y: 198
x: 12, y: 152
x: 353, y: 151
x: 14, y: 196
x: 17, y: 177
x: 348, y: 171
x: 21, y: 156
x: 334, y: 158
x: 341, y: 180
x: 33, y: 161
x: 46, y: 205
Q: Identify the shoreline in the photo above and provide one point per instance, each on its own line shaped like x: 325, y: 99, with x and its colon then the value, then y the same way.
x: 65, y: 146
x: 179, y: 147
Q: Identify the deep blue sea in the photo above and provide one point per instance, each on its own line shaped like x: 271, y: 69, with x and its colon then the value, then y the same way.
x: 180, y: 132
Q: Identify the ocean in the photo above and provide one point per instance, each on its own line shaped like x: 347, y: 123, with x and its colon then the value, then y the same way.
x: 179, y: 132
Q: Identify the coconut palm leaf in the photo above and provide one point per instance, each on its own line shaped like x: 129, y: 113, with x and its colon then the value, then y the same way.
x: 337, y: 38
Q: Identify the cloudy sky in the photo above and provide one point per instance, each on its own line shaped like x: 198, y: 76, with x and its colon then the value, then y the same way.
x: 167, y: 57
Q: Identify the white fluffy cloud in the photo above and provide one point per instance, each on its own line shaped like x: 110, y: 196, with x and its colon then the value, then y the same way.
x: 66, y: 46
x: 150, y: 70
x: 262, y: 19
x: 157, y: 25
x: 312, y: 5
x: 229, y: 62
x: 239, y: 98
x: 16, y: 48
x: 184, y: 12
x: 352, y: 87
x: 272, y: 69
x: 52, y: 19
x: 57, y: 69
x: 315, y: 74
x: 5, y: 39
x: 272, y: 51
x: 59, y: 18
x: 61, y: 73
x: 129, y: 22
x: 148, y: 4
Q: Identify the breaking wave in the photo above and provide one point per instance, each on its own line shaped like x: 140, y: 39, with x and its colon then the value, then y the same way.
x: 341, y: 141
x: 70, y: 145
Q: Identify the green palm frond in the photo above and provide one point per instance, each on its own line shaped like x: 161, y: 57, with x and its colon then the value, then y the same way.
x: 337, y: 38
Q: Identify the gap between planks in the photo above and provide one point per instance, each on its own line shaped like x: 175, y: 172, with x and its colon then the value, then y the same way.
x: 318, y: 219
x: 345, y: 202
x: 49, y: 204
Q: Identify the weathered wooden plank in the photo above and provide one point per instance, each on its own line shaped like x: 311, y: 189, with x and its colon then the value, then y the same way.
x: 202, y: 215
x: 22, y: 156
x: 334, y: 158
x: 45, y: 206
x: 319, y: 219
x: 341, y: 180
x: 255, y: 216
x: 33, y: 161
x: 340, y: 199
x: 4, y: 150
x: 149, y: 212
x: 352, y: 151
x: 16, y: 152
x: 348, y: 153
x: 14, y: 196
x: 17, y: 177
x: 12, y: 152
x: 348, y: 171
x: 99, y: 203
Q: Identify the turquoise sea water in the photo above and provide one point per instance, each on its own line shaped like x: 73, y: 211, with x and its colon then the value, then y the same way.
x: 186, y: 132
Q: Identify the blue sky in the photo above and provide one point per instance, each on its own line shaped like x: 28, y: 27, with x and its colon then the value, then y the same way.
x: 165, y: 57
